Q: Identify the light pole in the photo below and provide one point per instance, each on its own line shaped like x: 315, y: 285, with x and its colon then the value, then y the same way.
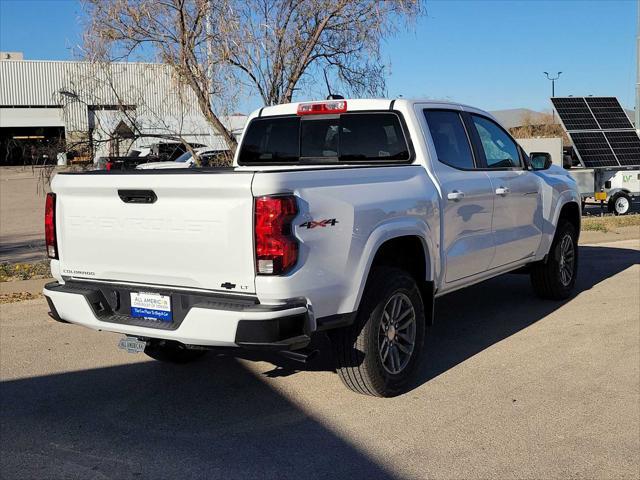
x: 638, y: 73
x: 553, y: 91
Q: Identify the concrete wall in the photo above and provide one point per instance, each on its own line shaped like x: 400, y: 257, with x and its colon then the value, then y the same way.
x: 553, y: 146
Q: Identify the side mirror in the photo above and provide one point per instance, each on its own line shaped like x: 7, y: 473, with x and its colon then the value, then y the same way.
x: 540, y: 160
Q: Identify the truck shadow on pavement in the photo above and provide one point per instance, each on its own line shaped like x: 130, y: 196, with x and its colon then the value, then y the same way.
x: 210, y: 419
x: 216, y: 418
x: 471, y: 320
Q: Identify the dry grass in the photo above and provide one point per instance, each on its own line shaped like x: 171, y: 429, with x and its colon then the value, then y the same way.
x: 18, y: 297
x: 610, y: 223
x: 24, y: 271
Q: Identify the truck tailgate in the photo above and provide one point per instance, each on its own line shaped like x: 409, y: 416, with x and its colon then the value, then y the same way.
x: 197, y: 233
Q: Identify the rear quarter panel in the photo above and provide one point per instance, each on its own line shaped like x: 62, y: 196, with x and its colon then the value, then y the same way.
x: 369, y: 206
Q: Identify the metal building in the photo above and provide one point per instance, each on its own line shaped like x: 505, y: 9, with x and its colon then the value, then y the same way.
x: 92, y: 109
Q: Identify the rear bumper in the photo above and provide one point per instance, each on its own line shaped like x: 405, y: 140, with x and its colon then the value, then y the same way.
x: 198, y: 319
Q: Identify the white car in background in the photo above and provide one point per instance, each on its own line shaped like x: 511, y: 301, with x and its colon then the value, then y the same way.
x: 186, y: 160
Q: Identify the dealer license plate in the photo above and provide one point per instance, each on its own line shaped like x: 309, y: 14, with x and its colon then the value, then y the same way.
x: 151, y: 305
x: 132, y: 344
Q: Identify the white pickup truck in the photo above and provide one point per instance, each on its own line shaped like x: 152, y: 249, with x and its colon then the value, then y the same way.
x: 344, y: 216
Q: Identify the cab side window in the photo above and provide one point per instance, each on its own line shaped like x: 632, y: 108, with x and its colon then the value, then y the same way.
x: 499, y: 148
x: 450, y: 138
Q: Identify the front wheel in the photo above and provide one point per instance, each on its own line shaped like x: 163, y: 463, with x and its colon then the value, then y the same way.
x: 379, y: 354
x: 555, y: 278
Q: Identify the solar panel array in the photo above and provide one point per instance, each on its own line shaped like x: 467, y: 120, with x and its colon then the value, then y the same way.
x: 601, y: 132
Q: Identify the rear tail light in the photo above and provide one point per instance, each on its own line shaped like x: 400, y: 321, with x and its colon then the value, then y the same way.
x: 276, y: 247
x: 108, y: 166
x: 322, y: 108
x: 50, y: 226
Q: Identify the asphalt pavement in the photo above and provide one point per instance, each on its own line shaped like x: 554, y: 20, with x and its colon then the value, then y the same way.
x: 511, y: 387
x: 22, y: 197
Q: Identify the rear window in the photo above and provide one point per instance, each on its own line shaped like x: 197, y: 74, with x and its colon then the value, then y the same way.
x: 350, y: 137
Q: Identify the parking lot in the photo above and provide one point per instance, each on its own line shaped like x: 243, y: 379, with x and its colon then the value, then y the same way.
x: 511, y: 386
x: 268, y: 199
x: 22, y: 206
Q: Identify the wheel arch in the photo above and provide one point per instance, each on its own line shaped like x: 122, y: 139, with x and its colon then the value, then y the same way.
x: 566, y: 205
x: 571, y: 212
x: 408, y: 249
x: 614, y: 191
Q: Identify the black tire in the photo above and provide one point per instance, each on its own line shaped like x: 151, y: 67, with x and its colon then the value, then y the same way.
x: 547, y: 277
x: 172, y: 352
x: 620, y: 204
x: 357, y: 348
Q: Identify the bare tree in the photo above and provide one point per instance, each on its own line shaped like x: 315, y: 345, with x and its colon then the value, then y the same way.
x: 280, y: 46
x: 272, y: 48
x: 179, y: 33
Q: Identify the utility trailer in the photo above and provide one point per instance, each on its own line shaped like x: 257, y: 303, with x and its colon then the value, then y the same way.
x: 615, y: 186
x: 605, y: 156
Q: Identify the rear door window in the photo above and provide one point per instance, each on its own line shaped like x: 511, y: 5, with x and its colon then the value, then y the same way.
x: 450, y: 138
x: 349, y: 138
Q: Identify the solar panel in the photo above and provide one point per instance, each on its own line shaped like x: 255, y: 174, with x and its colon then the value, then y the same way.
x: 593, y: 149
x: 608, y: 113
x: 601, y: 131
x: 575, y: 113
x: 626, y: 146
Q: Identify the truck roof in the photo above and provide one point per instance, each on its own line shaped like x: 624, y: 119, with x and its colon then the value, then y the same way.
x: 360, y: 104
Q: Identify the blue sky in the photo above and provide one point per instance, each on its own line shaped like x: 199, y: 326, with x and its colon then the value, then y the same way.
x: 490, y: 54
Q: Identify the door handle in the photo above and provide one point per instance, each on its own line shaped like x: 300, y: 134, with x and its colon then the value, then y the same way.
x: 456, y: 195
x: 502, y: 191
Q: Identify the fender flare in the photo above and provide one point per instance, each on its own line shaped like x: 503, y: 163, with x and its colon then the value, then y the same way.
x: 615, y: 191
x: 566, y: 197
x: 384, y: 232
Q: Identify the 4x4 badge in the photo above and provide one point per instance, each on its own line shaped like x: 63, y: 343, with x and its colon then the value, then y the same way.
x: 319, y: 223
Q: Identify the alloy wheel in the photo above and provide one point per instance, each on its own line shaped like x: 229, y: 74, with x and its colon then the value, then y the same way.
x: 567, y: 260
x: 397, y: 334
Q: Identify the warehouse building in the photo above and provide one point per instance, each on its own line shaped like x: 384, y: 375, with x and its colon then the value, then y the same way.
x: 88, y: 110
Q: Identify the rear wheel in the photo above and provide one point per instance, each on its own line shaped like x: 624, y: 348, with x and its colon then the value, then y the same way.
x: 379, y: 354
x: 172, y: 352
x: 620, y: 204
x: 555, y: 278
